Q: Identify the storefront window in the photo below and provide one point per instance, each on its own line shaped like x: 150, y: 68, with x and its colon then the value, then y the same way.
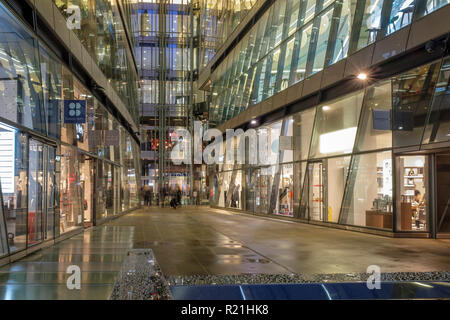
x: 375, y: 125
x: 335, y: 126
x: 368, y: 195
x: 335, y: 172
x: 412, y: 193
x: 13, y: 178
x: 262, y: 197
x: 302, y: 131
x: 3, y: 234
x: 87, y: 192
x: 286, y: 191
x: 438, y: 126
x: 35, y: 191
x: 82, y: 129
x: 52, y: 193
x: 316, y: 203
x: 109, y: 185
x: 100, y: 192
x: 299, y: 178
x: 20, y: 80
x: 412, y: 93
x: 51, y: 71
x: 71, y: 211
x: 68, y: 130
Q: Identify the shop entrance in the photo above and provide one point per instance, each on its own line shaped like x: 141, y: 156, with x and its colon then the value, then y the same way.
x: 423, y: 193
x: 87, y: 188
x: 413, y: 181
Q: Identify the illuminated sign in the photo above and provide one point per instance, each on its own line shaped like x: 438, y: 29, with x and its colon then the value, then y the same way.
x: 7, y: 160
x: 338, y: 141
x: 74, y: 111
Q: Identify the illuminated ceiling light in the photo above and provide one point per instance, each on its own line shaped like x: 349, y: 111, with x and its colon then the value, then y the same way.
x: 326, y: 108
x: 254, y: 121
x: 362, y: 76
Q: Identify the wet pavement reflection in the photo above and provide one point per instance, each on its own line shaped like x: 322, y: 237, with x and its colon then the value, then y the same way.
x: 205, y: 241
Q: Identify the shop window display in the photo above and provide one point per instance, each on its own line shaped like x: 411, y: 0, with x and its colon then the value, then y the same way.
x: 20, y: 83
x: 412, y: 94
x: 52, y: 197
x: 299, y: 178
x: 250, y: 190
x: 375, y: 130
x: 14, y: 179
x: 336, y: 177
x: 71, y: 212
x: 3, y: 233
x: 262, y: 202
x: 335, y: 126
x: 286, y: 191
x: 51, y: 72
x: 87, y: 192
x: 100, y: 191
x: 438, y: 126
x: 36, y: 192
x: 368, y: 195
x: 302, y: 131
x: 412, y: 193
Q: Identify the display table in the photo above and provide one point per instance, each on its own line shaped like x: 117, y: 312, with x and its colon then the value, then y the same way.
x: 379, y: 219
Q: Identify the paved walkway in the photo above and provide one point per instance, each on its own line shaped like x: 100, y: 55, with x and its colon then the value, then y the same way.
x: 202, y: 241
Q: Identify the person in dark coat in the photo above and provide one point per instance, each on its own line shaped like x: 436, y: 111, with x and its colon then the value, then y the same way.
x: 178, y: 196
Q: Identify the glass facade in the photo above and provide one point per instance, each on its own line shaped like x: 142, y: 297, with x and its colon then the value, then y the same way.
x: 295, y: 39
x: 167, y: 55
x: 338, y: 162
x: 104, y: 35
x: 218, y: 19
x: 48, y: 164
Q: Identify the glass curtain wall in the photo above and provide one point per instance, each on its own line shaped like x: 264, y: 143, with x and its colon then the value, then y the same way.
x: 102, y: 32
x: 295, y: 39
x: 217, y: 20
x: 43, y: 178
x: 167, y: 59
x: 335, y: 162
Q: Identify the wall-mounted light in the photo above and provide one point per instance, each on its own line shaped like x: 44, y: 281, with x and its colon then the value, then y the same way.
x: 362, y: 76
x: 326, y: 108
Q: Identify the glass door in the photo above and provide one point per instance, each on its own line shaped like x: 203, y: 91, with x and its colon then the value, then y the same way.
x: 52, y: 194
x: 35, y: 191
x: 316, y: 200
x: 412, y: 193
x: 13, y: 178
x: 250, y: 181
x: 87, y: 188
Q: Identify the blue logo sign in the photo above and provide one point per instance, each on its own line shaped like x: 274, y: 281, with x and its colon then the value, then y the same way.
x: 74, y: 111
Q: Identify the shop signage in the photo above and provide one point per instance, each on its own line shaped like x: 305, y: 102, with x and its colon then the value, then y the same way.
x: 74, y: 111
